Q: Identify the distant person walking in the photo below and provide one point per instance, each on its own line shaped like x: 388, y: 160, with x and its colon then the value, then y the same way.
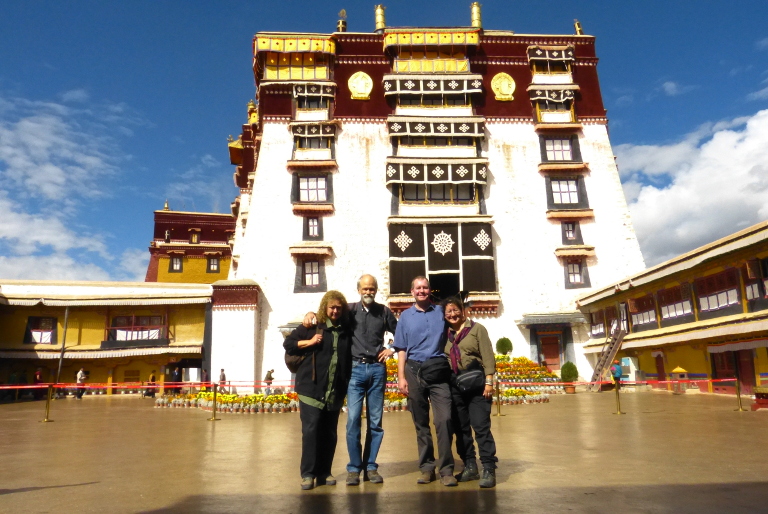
x: 38, y: 379
x: 268, y: 380
x: 222, y: 381
x: 151, y: 382
x: 616, y: 372
x: 176, y: 379
x: 81, y: 378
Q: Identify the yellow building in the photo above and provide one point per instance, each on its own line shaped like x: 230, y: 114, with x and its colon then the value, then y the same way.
x: 705, y: 311
x: 190, y: 247
x: 117, y: 331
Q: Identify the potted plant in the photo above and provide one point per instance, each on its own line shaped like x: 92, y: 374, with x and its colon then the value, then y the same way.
x: 503, y: 346
x: 569, y: 374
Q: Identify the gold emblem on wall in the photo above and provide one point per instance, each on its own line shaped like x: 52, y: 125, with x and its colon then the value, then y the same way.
x: 360, y: 85
x: 503, y: 86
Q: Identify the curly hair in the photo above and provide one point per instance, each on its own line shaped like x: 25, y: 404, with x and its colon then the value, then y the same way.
x: 322, y: 311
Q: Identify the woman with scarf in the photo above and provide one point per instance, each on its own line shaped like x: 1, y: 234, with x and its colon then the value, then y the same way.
x: 473, y: 363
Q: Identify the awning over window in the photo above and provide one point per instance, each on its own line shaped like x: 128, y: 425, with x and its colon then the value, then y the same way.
x: 554, y: 318
x: 553, y: 94
x: 312, y: 250
x: 449, y: 126
x: 551, y: 53
x: 735, y: 347
x: 315, y: 43
x: 314, y: 89
x: 432, y: 84
x: 100, y: 354
x: 405, y: 170
x: 430, y: 37
x: 313, y: 129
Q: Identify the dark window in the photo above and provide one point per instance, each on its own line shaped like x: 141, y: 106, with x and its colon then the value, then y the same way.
x: 313, y: 142
x: 176, y: 264
x: 439, y: 192
x: 312, y: 188
x: 312, y: 102
x: 313, y: 229
x: 310, y: 276
x: 550, y: 67
x: 413, y: 192
x: 194, y: 237
x: 409, y: 99
x: 213, y: 265
x: 551, y: 106
x: 40, y: 330
x: 571, y: 233
x: 563, y: 148
x: 566, y: 193
x: 576, y: 274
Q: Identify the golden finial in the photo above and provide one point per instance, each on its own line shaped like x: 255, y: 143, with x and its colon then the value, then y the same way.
x: 578, y: 27
x: 165, y: 207
x: 229, y: 138
x: 477, y: 21
x: 251, y: 105
x: 341, y: 25
x: 381, y: 20
x: 343, y: 14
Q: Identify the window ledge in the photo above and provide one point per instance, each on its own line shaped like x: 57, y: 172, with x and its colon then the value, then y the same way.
x: 570, y: 214
x: 563, y: 167
x: 322, y: 163
x: 313, y: 208
x: 311, y: 250
x: 575, y: 251
x: 543, y: 127
x: 483, y: 304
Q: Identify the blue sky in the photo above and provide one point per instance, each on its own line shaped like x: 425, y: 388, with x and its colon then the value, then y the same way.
x: 107, y: 108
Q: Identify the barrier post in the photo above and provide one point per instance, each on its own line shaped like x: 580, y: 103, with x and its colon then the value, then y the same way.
x: 738, y: 396
x: 498, y: 400
x: 48, y: 405
x: 213, y: 417
x: 618, y: 399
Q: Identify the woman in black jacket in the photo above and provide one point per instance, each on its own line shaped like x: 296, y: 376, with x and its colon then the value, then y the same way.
x: 321, y: 383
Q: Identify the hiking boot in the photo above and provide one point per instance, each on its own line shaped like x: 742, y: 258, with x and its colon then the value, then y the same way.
x: 426, y: 477
x: 329, y: 480
x: 353, y: 478
x: 470, y: 472
x: 307, y: 483
x: 489, y: 478
x: 448, y: 480
x: 373, y: 476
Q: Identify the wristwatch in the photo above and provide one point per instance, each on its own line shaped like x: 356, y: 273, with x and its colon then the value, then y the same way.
x: 489, y: 381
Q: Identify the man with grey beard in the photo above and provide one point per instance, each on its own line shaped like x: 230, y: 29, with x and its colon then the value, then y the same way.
x: 369, y: 321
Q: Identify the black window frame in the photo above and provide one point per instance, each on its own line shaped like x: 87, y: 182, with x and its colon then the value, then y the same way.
x: 181, y: 264
x: 312, y: 102
x: 33, y: 323
x: 583, y: 270
x: 583, y: 202
x: 575, y: 147
x: 306, y: 236
x: 209, y: 262
x: 296, y: 188
x: 299, y: 284
x: 577, y: 239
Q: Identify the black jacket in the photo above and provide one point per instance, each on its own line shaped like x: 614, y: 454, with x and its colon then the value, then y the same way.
x: 323, y: 351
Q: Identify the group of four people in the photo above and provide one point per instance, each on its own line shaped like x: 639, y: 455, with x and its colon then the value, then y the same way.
x: 439, y: 352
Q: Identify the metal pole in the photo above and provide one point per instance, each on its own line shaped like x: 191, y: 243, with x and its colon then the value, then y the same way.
x: 213, y: 417
x: 498, y: 401
x: 63, y: 343
x: 48, y: 405
x: 618, y: 399
x: 738, y: 383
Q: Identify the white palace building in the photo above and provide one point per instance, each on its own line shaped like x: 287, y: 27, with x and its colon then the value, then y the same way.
x: 479, y: 158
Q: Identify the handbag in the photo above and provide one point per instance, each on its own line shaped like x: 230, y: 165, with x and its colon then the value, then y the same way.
x: 435, y: 371
x: 470, y: 381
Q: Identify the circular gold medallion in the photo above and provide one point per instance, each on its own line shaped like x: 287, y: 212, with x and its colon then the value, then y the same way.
x: 503, y: 86
x: 360, y: 85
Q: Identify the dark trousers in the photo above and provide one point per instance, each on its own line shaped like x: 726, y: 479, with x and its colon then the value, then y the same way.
x: 80, y: 392
x: 472, y: 412
x: 420, y: 395
x: 617, y: 382
x: 318, y: 440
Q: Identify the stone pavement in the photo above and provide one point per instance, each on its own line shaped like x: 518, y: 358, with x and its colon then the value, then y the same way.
x: 668, y: 454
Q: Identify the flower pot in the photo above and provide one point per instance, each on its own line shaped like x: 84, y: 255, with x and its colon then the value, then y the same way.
x: 569, y: 388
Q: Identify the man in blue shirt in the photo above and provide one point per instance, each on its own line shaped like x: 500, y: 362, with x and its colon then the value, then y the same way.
x: 420, y: 336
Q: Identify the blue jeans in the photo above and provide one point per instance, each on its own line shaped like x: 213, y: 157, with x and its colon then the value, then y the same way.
x: 367, y: 381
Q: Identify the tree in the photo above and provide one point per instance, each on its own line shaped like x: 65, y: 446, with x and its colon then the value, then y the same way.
x: 503, y: 346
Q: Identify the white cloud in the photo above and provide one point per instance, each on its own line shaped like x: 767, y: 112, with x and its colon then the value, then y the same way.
x: 75, y: 95
x: 688, y: 193
x: 670, y: 88
x: 204, y: 186
x: 762, y: 44
x: 53, y: 158
x: 759, y: 95
x: 133, y: 264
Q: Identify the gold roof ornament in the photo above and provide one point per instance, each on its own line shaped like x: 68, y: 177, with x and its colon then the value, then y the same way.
x: 341, y: 25
x: 431, y: 37
x: 236, y: 150
x: 253, y: 113
x: 165, y: 207
x: 380, y: 18
x: 477, y: 20
x: 578, y: 27
x: 360, y: 85
x: 503, y: 86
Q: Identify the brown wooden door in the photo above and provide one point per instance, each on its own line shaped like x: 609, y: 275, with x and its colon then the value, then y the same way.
x: 746, y: 370
x: 550, y: 348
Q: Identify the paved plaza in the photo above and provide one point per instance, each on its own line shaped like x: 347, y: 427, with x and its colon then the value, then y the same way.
x: 667, y: 454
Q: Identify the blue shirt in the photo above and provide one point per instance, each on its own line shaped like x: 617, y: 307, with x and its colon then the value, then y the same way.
x: 421, y: 333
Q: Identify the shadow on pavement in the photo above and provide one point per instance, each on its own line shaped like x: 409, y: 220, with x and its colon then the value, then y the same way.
x: 28, y: 489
